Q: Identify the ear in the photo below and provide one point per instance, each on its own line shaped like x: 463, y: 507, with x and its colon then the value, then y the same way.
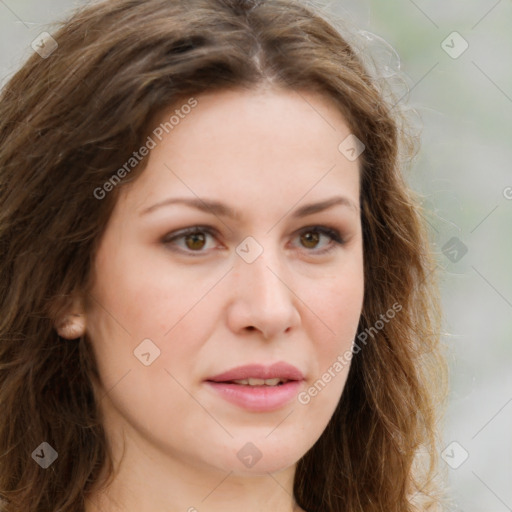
x: 71, y: 322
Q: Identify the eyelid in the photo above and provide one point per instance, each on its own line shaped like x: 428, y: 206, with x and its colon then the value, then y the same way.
x: 187, y: 231
x: 333, y: 233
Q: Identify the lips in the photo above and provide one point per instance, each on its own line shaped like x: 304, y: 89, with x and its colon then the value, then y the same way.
x: 281, y: 370
x: 258, y: 388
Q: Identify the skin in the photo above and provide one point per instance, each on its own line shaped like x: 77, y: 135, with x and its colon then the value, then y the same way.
x: 264, y: 153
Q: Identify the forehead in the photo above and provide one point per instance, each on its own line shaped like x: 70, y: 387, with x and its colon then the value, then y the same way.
x: 250, y: 148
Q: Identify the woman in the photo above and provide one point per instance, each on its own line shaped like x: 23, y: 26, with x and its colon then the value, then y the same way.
x: 217, y: 291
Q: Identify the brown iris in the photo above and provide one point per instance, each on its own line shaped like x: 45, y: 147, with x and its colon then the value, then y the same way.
x: 195, y: 241
x: 310, y: 239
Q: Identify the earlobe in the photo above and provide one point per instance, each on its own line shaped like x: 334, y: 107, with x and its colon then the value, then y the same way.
x: 71, y: 324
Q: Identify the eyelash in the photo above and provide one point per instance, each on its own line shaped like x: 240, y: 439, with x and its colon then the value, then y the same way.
x: 333, y: 234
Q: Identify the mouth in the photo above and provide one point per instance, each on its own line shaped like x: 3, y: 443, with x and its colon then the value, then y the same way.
x: 259, y: 382
x: 254, y: 382
x: 260, y: 374
x: 258, y: 388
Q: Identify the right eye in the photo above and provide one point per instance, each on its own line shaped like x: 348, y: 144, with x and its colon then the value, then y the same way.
x: 190, y: 240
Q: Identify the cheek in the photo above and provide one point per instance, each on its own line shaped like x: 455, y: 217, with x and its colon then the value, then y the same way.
x: 138, y: 304
x: 133, y: 302
x: 338, y: 302
x: 147, y: 297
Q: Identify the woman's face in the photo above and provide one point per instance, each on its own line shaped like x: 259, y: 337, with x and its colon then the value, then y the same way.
x: 224, y: 256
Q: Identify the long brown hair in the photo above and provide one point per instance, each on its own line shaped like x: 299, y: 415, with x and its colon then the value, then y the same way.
x: 70, y: 120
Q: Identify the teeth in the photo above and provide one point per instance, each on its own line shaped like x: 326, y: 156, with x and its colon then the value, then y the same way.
x: 260, y: 382
x: 272, y: 382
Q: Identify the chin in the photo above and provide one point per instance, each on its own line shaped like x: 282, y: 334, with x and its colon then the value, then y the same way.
x: 262, y: 456
x: 263, y: 467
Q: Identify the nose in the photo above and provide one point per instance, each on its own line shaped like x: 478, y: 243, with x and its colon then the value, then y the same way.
x: 262, y: 298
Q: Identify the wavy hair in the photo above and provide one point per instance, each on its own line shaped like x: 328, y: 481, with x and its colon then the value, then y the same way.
x: 69, y: 120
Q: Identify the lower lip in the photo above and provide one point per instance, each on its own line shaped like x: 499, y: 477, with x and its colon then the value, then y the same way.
x: 257, y: 398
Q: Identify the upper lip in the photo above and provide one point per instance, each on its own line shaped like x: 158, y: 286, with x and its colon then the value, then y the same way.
x: 260, y: 371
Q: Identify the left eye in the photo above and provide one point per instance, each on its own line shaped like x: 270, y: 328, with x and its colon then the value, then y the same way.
x: 195, y: 240
x: 310, y: 238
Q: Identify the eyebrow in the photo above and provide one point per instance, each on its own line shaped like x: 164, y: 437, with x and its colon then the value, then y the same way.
x: 222, y: 210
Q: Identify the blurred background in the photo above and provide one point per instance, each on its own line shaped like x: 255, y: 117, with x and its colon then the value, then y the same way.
x: 455, y: 61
